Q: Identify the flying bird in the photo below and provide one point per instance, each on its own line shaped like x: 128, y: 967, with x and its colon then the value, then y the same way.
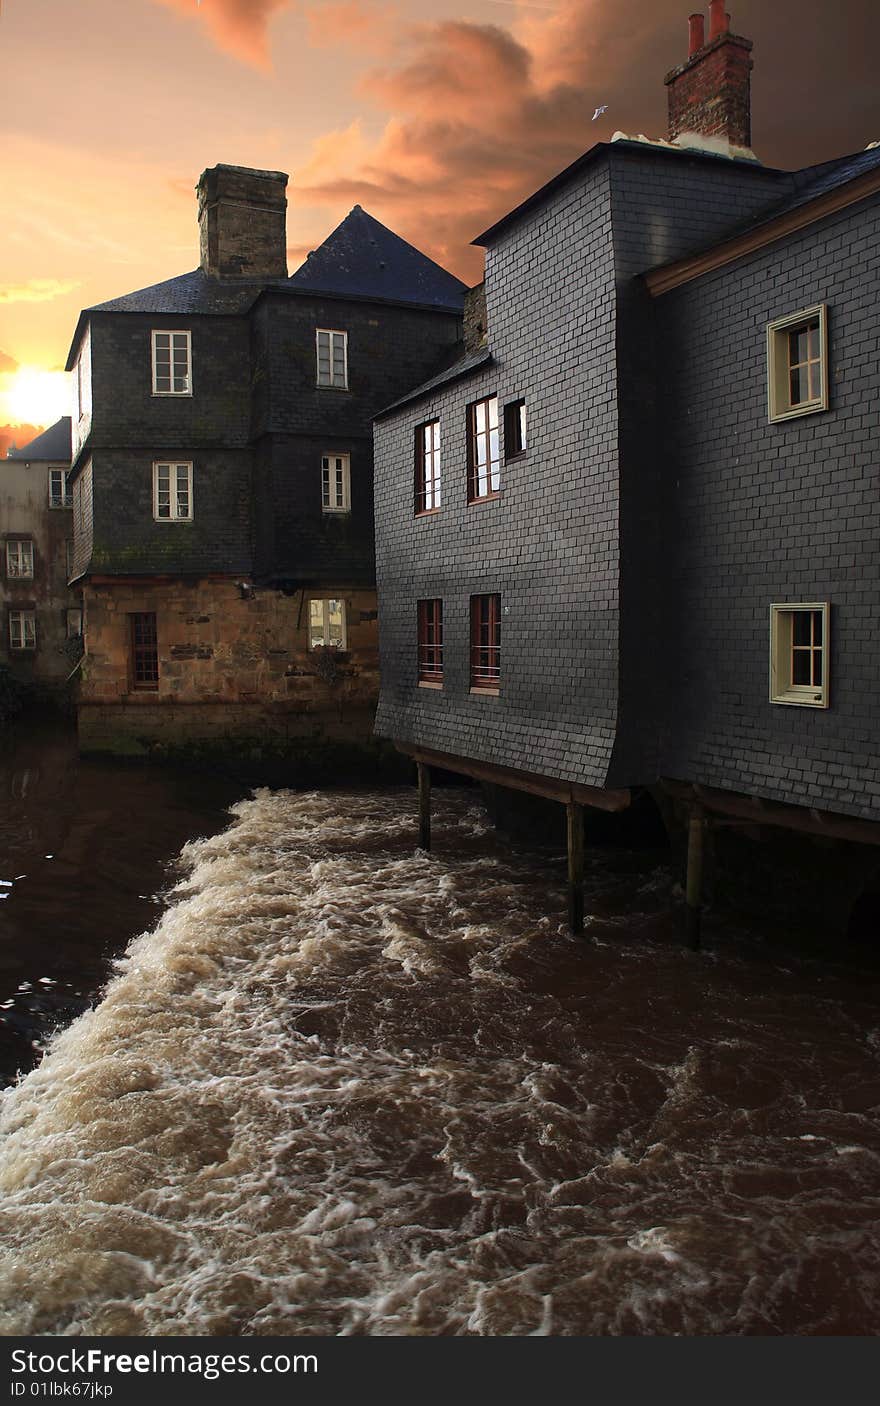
x: 599, y: 111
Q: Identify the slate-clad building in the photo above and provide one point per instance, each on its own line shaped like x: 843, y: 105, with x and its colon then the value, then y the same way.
x: 222, y: 474
x: 630, y: 540
x: 42, y: 616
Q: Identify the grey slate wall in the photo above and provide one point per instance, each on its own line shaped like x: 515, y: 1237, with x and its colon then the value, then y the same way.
x: 759, y: 513
x: 128, y: 541
x: 390, y: 349
x: 548, y: 544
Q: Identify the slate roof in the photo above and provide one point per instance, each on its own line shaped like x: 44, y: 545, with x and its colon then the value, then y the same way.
x: 364, y: 259
x: 462, y: 366
x: 814, y: 181
x: 53, y: 443
x: 191, y: 292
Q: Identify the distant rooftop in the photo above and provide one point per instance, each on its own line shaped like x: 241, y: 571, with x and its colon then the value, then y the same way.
x: 53, y: 444
x: 363, y: 258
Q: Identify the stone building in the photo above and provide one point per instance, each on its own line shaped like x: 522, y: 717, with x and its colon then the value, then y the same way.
x: 650, y: 556
x: 222, y: 475
x: 42, y: 615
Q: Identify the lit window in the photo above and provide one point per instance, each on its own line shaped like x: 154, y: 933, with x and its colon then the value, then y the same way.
x: 486, y: 643
x: 430, y: 651
x: 336, y: 483
x: 22, y: 629
x: 172, y: 492
x: 484, y: 450
x: 515, y: 438
x: 60, y: 495
x: 20, y: 558
x: 326, y: 624
x: 797, y: 364
x: 74, y: 623
x: 172, y: 371
x: 799, y: 654
x: 428, y: 467
x: 144, y: 650
x: 332, y: 348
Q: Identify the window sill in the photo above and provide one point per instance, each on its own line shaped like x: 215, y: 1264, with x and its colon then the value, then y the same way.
x: 173, y: 521
x: 426, y: 512
x: 487, y: 690
x: 513, y: 458
x: 336, y: 512
x: 801, y: 700
x: 429, y: 683
x: 172, y: 395
x: 484, y: 498
x: 814, y: 408
x: 346, y: 390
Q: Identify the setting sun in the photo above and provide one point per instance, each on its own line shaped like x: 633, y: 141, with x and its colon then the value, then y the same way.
x: 31, y: 395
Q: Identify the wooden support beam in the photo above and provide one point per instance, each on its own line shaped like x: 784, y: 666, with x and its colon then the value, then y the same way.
x: 575, y: 815
x: 693, y: 912
x: 807, y: 820
x: 534, y: 784
x: 424, y: 774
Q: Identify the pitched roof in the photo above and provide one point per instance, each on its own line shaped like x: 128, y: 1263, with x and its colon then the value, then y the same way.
x: 53, y: 443
x: 462, y: 366
x: 813, y: 181
x: 364, y: 259
x: 190, y: 292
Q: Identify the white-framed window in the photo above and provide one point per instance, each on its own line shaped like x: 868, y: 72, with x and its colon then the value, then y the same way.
x: 327, y: 624
x: 22, y: 629
x: 332, y: 355
x: 172, y: 363
x: 172, y: 492
x: 20, y: 558
x: 336, y: 483
x: 799, y: 653
x: 60, y: 494
x: 797, y: 364
x: 74, y: 621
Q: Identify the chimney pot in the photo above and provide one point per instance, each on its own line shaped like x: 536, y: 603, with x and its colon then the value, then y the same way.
x: 697, y: 33
x: 719, y: 22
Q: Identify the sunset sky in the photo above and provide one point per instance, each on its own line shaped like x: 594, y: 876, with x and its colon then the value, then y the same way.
x: 436, y: 117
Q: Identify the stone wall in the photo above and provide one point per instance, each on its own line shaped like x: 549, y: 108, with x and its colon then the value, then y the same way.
x: 228, y: 666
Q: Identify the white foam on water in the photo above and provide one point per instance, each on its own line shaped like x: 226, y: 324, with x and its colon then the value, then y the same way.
x: 346, y: 1088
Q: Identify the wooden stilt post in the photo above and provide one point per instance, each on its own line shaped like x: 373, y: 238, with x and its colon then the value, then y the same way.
x: 694, y: 893
x: 424, y: 773
x: 575, y: 815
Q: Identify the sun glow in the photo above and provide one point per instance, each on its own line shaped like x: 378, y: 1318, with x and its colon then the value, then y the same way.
x: 31, y: 395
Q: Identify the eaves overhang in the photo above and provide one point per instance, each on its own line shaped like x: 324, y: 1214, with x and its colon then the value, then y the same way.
x: 669, y: 276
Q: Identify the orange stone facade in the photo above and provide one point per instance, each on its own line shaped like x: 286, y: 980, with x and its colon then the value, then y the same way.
x: 232, y: 662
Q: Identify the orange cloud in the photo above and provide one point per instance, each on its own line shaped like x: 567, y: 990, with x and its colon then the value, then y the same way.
x: 36, y: 290
x: 368, y: 28
x: 18, y: 435
x: 238, y: 27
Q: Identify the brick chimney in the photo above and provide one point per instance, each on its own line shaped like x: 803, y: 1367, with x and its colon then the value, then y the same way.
x: 710, y: 94
x: 242, y: 222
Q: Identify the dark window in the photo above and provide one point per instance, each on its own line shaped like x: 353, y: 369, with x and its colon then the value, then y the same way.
x: 430, y: 641
x: 804, y: 364
x: 144, y: 651
x: 484, y: 450
x: 485, y: 641
x: 428, y: 467
x: 515, y: 439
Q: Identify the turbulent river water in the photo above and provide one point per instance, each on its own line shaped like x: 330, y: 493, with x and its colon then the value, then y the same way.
x: 343, y: 1087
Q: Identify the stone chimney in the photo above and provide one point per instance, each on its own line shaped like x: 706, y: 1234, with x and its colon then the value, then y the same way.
x: 242, y: 222
x: 710, y: 94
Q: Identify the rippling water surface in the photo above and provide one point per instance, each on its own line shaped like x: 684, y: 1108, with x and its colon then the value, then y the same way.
x: 347, y: 1088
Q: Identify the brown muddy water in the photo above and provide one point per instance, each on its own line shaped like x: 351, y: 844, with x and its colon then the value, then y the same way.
x: 342, y: 1087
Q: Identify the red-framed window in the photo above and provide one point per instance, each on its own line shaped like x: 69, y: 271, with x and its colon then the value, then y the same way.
x: 484, y: 450
x: 428, y: 467
x: 144, y: 650
x: 486, y: 641
x: 430, y: 641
